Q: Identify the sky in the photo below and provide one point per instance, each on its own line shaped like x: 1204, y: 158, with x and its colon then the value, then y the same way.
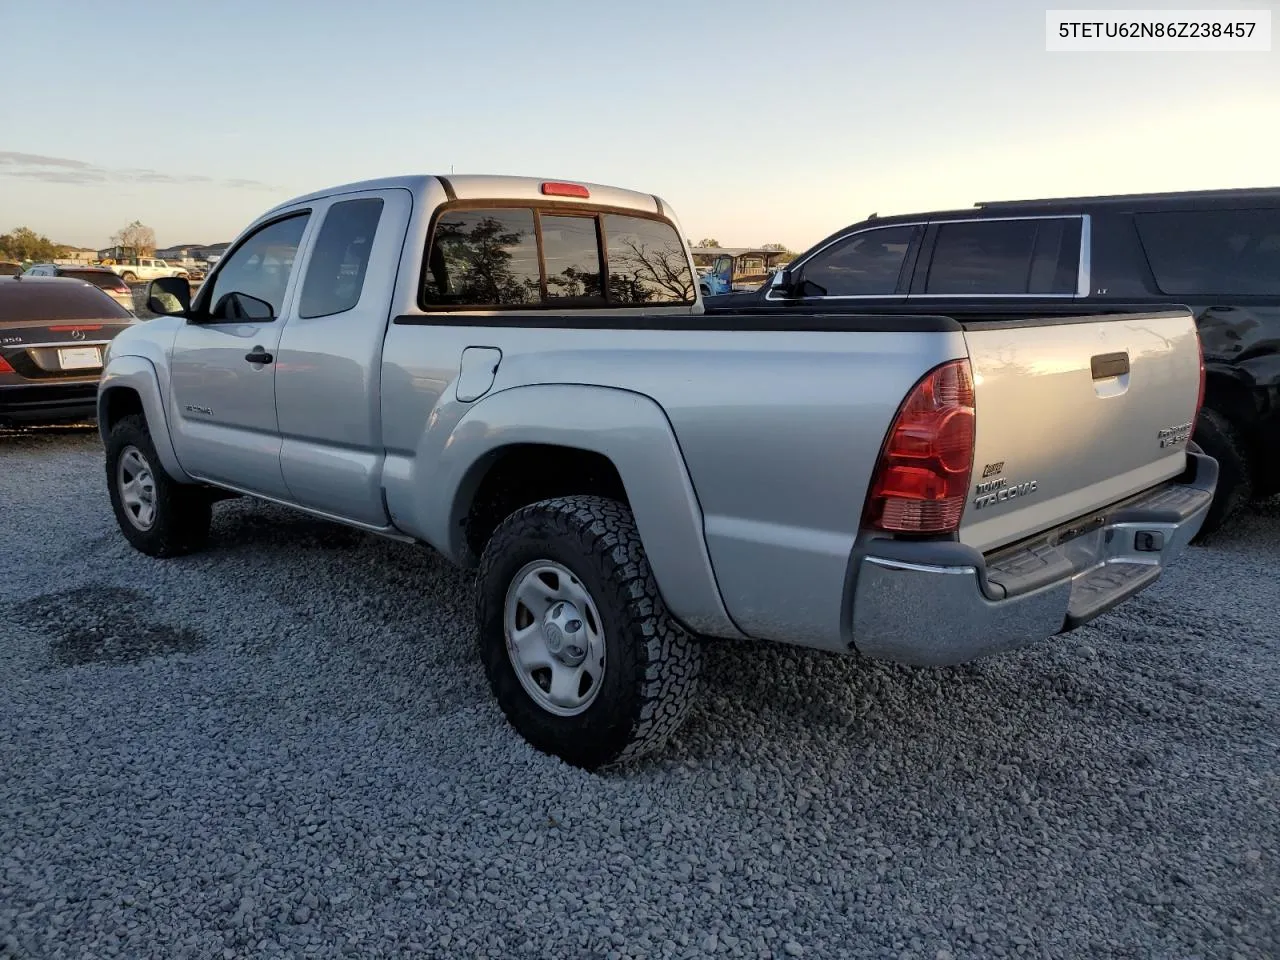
x: 757, y: 122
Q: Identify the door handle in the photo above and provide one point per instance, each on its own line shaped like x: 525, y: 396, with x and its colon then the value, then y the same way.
x: 1105, y: 365
x: 258, y: 355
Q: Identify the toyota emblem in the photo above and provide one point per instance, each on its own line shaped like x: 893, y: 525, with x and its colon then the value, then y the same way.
x: 77, y: 334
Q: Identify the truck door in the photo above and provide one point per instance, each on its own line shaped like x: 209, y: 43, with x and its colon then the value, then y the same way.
x: 222, y: 399
x: 328, y: 378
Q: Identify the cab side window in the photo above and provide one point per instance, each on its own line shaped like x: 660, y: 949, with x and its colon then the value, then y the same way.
x: 253, y: 279
x: 335, y: 272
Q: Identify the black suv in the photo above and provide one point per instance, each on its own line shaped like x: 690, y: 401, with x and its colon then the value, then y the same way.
x: 1215, y: 251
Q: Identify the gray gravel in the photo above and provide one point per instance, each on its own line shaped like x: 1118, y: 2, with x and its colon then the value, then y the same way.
x: 285, y: 746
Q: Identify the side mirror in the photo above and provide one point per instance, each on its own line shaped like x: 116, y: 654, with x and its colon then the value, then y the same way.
x: 169, y: 296
x: 784, y: 282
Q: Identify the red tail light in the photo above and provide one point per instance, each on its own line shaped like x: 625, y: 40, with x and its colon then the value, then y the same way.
x: 4, y: 366
x: 553, y: 188
x: 922, y: 479
x: 1200, y: 397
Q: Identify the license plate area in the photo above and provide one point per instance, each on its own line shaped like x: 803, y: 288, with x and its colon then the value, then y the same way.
x: 79, y: 358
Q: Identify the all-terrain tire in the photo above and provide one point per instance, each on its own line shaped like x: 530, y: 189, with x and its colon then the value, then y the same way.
x: 1218, y: 437
x: 183, y: 513
x: 652, y: 663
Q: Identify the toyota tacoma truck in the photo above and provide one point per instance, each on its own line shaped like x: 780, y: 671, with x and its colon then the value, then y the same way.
x: 520, y: 374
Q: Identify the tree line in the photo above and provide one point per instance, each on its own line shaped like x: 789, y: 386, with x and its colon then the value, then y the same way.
x: 23, y: 243
x: 712, y: 242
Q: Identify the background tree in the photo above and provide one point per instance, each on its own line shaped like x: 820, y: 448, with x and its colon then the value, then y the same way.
x: 137, y: 238
x: 708, y: 242
x: 23, y: 243
x: 780, y: 248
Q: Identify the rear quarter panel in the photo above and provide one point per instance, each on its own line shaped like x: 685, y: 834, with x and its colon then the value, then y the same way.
x: 780, y: 431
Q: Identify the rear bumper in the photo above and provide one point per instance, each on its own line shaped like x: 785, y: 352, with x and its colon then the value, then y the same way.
x: 49, y: 402
x: 935, y: 604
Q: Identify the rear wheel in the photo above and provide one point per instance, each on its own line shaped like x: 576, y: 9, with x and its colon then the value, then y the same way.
x: 1219, y: 438
x: 129, y: 276
x: 156, y: 514
x: 578, y: 646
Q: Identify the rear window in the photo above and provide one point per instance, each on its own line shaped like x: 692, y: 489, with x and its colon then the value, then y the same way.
x: 483, y: 258
x: 523, y: 257
x: 56, y: 300
x: 1005, y: 257
x: 103, y: 279
x: 647, y: 261
x: 1213, y: 251
x: 571, y: 252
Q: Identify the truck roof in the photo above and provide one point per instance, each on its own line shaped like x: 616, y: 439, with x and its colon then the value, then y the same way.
x: 494, y: 187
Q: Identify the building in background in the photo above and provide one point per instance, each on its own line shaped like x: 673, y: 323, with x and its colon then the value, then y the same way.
x: 725, y: 269
x: 75, y: 255
x: 192, y: 254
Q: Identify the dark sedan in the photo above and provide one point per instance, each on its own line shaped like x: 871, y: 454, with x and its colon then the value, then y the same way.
x: 110, y: 282
x: 53, y: 331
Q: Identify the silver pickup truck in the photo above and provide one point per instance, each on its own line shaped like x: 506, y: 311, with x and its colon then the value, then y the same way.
x: 520, y: 374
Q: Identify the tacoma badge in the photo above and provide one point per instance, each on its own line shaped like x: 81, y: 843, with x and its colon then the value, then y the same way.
x: 1172, y: 436
x: 1001, y: 490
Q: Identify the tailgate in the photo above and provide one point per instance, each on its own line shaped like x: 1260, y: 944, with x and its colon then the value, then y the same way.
x: 1073, y: 415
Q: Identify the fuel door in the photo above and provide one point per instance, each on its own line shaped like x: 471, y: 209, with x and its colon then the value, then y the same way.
x: 476, y: 372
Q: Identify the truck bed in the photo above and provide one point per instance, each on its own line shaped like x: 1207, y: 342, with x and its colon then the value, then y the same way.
x: 781, y: 416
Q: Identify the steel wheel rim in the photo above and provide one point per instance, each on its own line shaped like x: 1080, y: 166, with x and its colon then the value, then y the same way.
x: 561, y: 667
x: 137, y: 486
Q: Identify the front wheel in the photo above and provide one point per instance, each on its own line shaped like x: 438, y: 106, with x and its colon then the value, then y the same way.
x: 578, y: 646
x: 156, y: 514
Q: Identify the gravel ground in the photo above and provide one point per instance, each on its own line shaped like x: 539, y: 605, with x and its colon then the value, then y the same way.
x: 285, y: 746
